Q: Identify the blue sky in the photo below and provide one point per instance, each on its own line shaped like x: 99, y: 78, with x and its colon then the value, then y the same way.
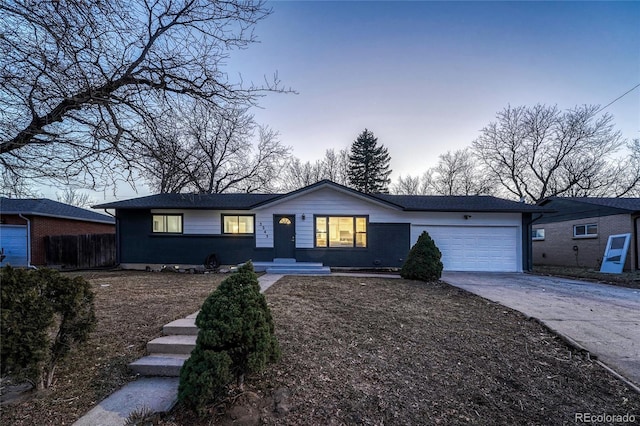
x: 425, y: 77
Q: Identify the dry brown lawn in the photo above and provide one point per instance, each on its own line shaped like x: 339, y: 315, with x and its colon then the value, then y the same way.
x: 626, y: 279
x: 131, y: 308
x: 355, y: 351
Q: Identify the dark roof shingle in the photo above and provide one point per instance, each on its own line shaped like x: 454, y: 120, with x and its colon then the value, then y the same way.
x: 240, y: 201
x: 50, y: 208
x: 248, y: 201
x: 630, y: 204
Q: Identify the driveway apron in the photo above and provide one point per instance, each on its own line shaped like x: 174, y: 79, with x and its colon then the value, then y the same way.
x: 603, y: 319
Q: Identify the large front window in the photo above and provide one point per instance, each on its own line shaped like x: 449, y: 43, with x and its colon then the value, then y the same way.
x: 237, y: 224
x: 341, y: 231
x: 167, y: 223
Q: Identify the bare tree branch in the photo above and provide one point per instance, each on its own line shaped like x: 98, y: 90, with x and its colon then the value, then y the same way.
x: 537, y: 152
x: 199, y: 148
x: 77, y: 78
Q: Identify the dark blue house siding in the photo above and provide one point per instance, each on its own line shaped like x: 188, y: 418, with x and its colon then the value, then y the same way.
x: 388, y: 245
x: 139, y: 245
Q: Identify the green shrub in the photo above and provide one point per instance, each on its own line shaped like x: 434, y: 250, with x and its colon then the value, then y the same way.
x: 423, y: 262
x: 236, y: 338
x: 44, y: 314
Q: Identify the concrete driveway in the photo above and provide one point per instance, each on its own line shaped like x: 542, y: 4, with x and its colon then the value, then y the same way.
x: 603, y: 319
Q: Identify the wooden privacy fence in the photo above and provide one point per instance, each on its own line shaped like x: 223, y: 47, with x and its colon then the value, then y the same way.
x: 81, y: 251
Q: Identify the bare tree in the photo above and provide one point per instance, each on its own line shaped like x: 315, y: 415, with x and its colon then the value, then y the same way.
x: 333, y: 167
x: 540, y: 151
x: 77, y: 77
x: 415, y: 185
x: 208, y: 150
x: 457, y: 174
x: 76, y: 198
x: 297, y: 174
x: 13, y: 186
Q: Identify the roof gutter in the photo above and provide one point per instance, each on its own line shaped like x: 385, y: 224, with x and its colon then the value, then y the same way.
x: 29, y: 265
x: 117, y: 235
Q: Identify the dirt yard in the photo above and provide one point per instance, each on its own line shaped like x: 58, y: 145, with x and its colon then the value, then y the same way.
x: 355, y: 351
x: 380, y: 351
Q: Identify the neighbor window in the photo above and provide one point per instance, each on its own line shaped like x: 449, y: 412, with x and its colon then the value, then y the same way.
x: 538, y: 234
x: 237, y: 224
x: 341, y: 231
x: 167, y: 223
x: 588, y: 230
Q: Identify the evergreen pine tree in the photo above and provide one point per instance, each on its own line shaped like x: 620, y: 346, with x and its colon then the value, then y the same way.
x: 369, y: 165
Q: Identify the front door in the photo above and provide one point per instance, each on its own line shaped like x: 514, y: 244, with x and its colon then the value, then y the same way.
x: 284, y: 236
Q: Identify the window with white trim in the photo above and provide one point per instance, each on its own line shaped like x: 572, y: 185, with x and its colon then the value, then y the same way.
x: 538, y: 234
x: 341, y: 231
x: 237, y: 224
x: 167, y: 223
x: 589, y: 230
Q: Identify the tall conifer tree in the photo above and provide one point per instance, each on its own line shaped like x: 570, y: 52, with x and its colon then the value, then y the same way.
x: 369, y: 165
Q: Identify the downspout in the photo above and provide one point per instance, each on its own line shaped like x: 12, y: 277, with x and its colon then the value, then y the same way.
x: 529, y: 242
x: 635, y: 241
x: 29, y: 265
x: 117, y: 236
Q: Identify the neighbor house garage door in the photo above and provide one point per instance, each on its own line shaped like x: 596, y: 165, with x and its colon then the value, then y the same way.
x: 13, y: 240
x: 469, y: 248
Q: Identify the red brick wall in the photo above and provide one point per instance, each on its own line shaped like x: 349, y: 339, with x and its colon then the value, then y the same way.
x: 45, y: 226
x: 557, y: 246
x: 12, y: 219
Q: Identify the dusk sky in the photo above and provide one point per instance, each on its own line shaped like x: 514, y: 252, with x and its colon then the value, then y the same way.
x: 426, y: 77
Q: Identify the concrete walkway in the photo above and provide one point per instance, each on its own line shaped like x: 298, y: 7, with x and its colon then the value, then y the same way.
x: 155, y: 394
x: 602, y: 319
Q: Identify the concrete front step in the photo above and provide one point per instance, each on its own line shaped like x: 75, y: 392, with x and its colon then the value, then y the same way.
x: 291, y: 270
x: 172, y: 345
x: 156, y: 394
x: 182, y: 326
x: 286, y: 264
x: 159, y: 365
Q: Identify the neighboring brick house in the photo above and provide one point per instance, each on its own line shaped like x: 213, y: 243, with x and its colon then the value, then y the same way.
x: 24, y: 224
x: 576, y: 233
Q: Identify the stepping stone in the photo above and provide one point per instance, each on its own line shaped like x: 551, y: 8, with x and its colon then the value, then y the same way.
x: 172, y: 345
x: 159, y: 365
x: 156, y: 394
x: 183, y: 326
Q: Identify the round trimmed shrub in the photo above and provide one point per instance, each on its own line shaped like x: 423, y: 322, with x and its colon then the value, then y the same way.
x: 423, y: 262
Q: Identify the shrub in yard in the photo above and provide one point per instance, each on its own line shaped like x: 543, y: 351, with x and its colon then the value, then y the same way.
x: 43, y: 315
x: 236, y: 338
x: 423, y: 262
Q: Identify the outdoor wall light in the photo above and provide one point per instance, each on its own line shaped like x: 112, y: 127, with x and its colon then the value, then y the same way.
x: 303, y: 216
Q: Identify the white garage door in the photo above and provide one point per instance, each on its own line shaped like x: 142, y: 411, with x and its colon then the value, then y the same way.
x: 468, y: 248
x: 13, y: 241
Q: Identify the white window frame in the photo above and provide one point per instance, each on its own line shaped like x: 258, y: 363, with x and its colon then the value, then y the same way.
x: 324, y: 234
x: 537, y: 234
x: 586, y: 233
x: 165, y: 224
x: 238, y: 216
